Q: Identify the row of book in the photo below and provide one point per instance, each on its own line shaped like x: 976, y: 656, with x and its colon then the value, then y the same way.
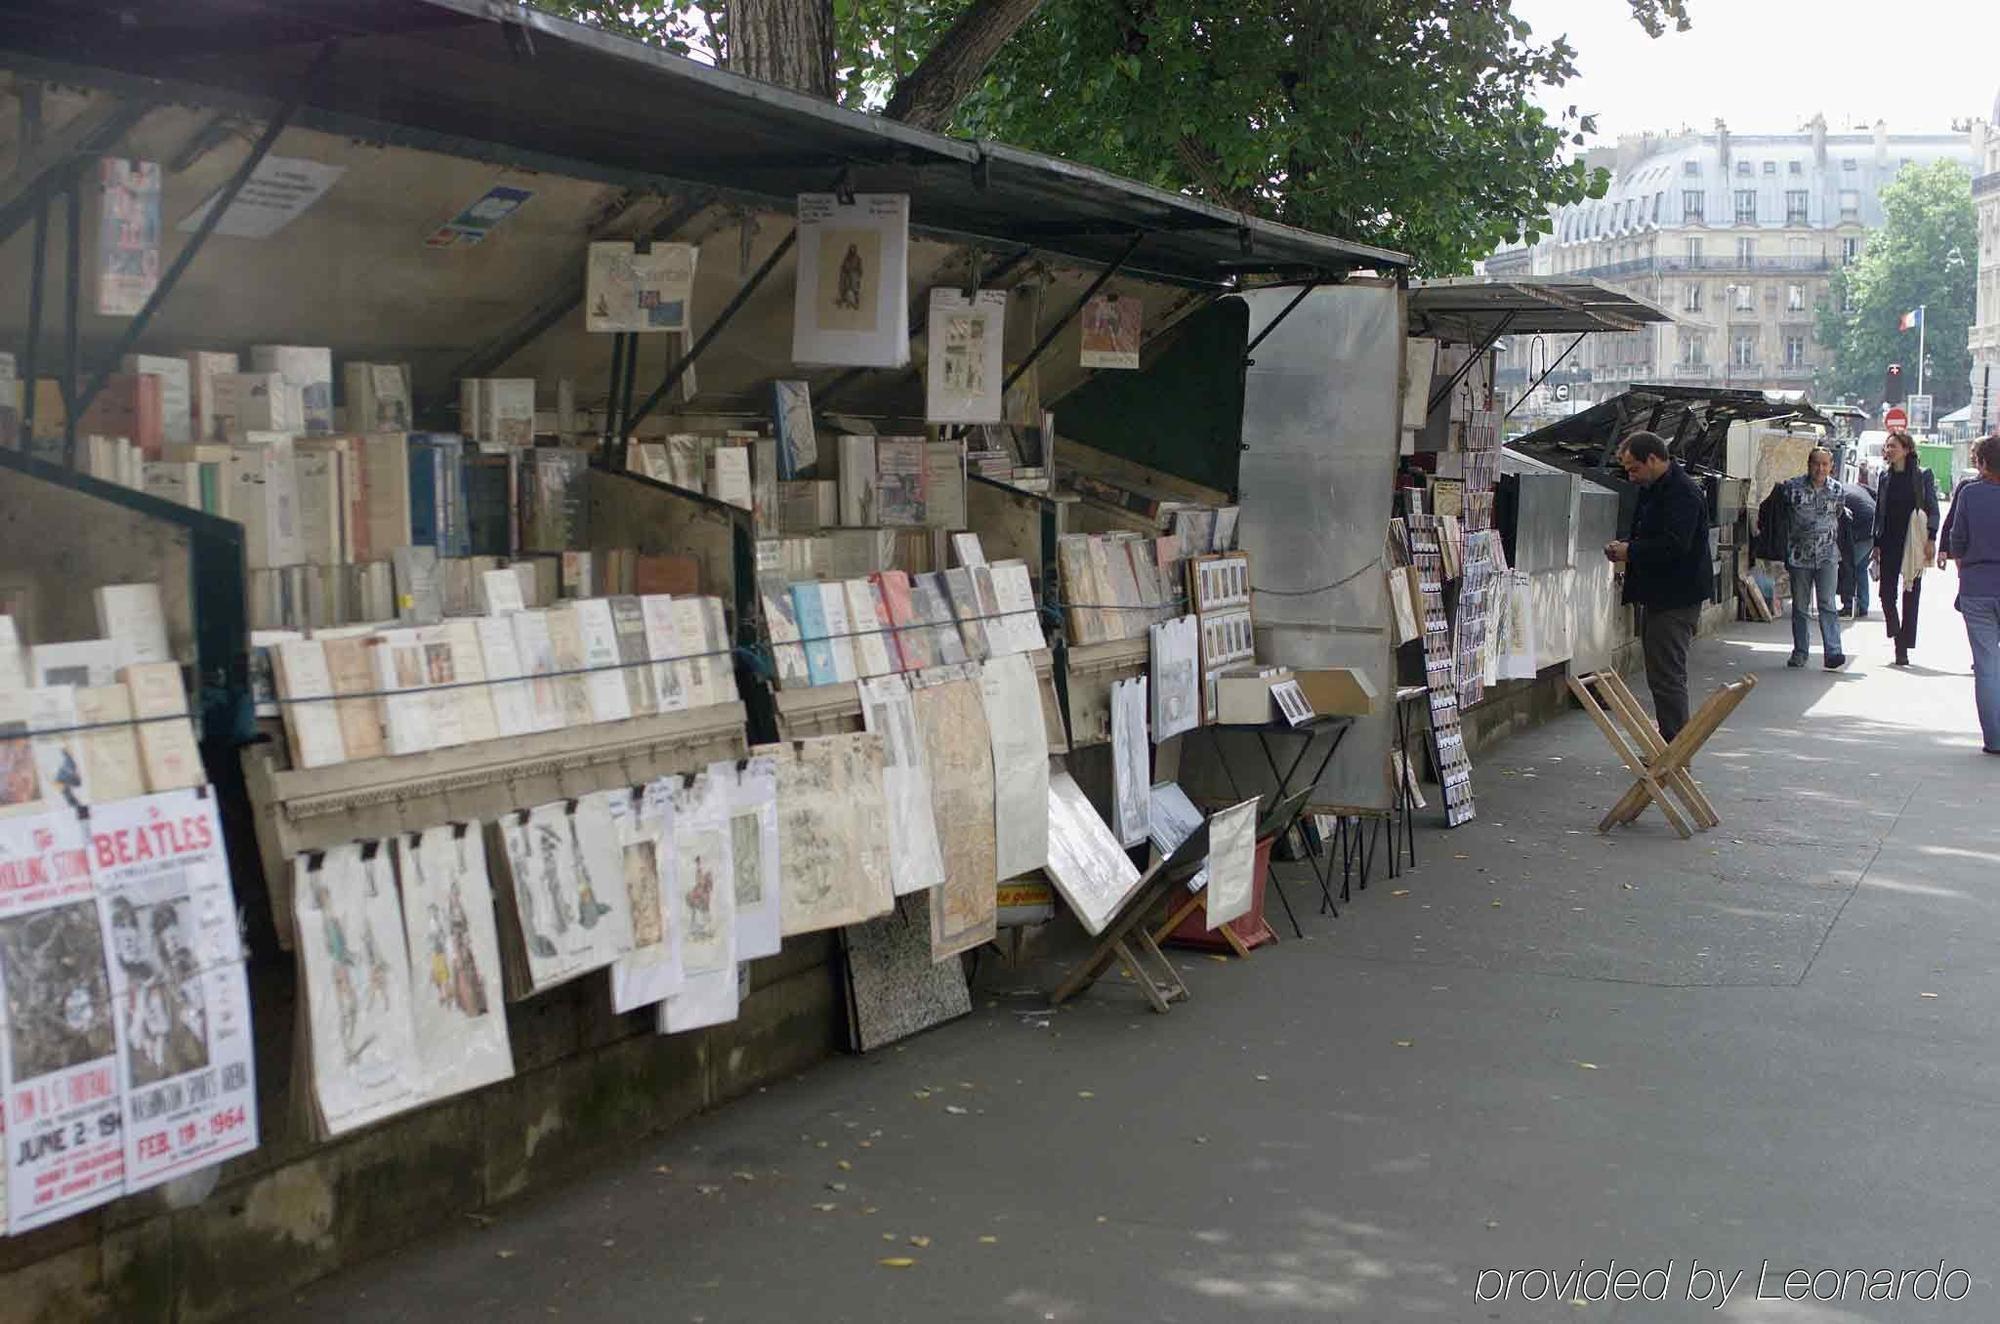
x: 825, y: 632
x: 1117, y: 585
x: 366, y: 691
x: 78, y: 745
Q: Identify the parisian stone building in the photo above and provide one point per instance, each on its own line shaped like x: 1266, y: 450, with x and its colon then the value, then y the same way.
x: 1737, y: 236
x: 1985, y: 335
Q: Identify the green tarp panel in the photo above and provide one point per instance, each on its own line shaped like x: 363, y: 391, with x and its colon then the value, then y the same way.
x: 1939, y: 460
x: 1184, y: 413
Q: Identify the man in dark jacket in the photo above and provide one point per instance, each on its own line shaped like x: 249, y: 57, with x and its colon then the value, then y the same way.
x: 1667, y: 569
x: 1857, y: 544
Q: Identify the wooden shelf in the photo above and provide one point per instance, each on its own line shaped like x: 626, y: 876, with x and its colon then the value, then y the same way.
x: 300, y: 810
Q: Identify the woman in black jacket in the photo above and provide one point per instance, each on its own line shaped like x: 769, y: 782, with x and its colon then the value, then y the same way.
x: 1906, y: 488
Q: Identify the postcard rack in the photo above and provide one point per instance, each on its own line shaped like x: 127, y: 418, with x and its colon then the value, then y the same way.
x: 306, y: 810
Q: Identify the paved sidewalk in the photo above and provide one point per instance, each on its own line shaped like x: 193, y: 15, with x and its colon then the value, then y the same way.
x: 1772, y: 1043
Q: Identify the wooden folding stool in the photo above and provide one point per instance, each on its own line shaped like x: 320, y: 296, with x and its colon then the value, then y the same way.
x: 1659, y: 768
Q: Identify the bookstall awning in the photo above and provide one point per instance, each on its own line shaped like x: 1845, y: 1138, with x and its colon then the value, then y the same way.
x: 1472, y: 308
x: 518, y: 87
x: 1693, y: 419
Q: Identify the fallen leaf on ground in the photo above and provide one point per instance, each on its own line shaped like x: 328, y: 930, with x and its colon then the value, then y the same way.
x: 954, y: 1110
x: 826, y: 1208
x: 989, y: 1241
x: 1405, y: 1043
x: 1588, y: 1066
x: 843, y: 1165
x: 1402, y: 892
x: 1926, y: 995
x: 897, y: 1262
x: 920, y: 1242
x: 744, y: 1176
x: 504, y: 1254
x: 1085, y: 1094
x: 836, y: 1186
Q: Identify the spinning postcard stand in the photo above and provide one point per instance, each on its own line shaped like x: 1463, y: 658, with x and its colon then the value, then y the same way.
x: 1126, y: 938
x: 1660, y: 768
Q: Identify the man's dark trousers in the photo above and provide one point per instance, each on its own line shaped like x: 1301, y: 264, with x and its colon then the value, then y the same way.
x: 1667, y: 632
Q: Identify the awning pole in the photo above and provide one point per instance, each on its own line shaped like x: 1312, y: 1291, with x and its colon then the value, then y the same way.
x: 1443, y: 393
x: 1545, y: 376
x: 1048, y: 339
x: 707, y: 337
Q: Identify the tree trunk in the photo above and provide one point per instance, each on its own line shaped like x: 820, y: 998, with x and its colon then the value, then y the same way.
x: 928, y: 95
x: 787, y: 42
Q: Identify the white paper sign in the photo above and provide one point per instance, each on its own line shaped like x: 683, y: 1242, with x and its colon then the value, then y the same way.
x: 633, y: 291
x: 1232, y: 850
x: 1131, y: 762
x: 277, y: 192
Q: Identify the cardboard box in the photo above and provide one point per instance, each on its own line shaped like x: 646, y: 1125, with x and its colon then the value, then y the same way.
x: 1341, y: 691
x: 1243, y: 698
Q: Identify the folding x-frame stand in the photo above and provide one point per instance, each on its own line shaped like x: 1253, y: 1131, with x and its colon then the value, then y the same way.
x: 1660, y: 768
x: 1126, y: 938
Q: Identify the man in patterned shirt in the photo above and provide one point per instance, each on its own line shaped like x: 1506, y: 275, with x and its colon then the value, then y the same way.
x: 1813, y: 557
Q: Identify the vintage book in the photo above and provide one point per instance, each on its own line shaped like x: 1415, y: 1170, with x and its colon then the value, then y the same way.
x: 944, y: 484
x: 687, y: 460
x: 204, y: 367
x: 419, y: 592
x: 263, y: 669
x: 809, y: 611
x: 764, y: 487
x: 378, y: 396
x: 932, y: 602
x: 576, y: 577
x: 702, y: 669
x: 179, y: 483
x: 441, y: 688
x: 492, y: 502
x: 400, y: 667
x: 557, y: 700
x: 971, y: 617
x: 671, y: 669
x: 901, y: 481
x: 13, y: 657
x: 858, y: 480
x: 354, y: 485
x: 324, y: 511
x: 128, y: 406
x: 81, y: 662
x: 910, y: 642
x: 166, y: 737
x: 246, y: 402
x: 554, y: 498
x: 604, y: 682
x: 500, y: 410
x: 781, y: 623
x: 130, y: 615
x: 305, y: 690
x: 371, y: 590
x: 808, y: 506
x: 500, y: 593
x: 109, y: 745
x: 176, y: 397
x: 472, y: 700
x: 264, y: 499
x: 964, y: 373
x: 871, y: 646
x: 628, y: 619
x: 839, y: 630
x: 437, y: 493
x: 514, y: 712
x: 730, y: 477
x: 349, y: 668
x: 308, y: 371
x: 792, y: 421
x: 648, y: 459
x: 966, y: 549
x: 58, y: 746
x: 525, y: 574
x: 1020, y: 622
x: 674, y: 575
x: 628, y: 287
x: 721, y: 654
x: 385, y: 476
x: 851, y: 305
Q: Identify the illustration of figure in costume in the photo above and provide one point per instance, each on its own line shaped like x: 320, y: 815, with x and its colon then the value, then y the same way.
x: 552, y: 877
x: 848, y: 294
x: 587, y: 906
x: 341, y: 957
x: 701, y: 900
x: 464, y: 969
x: 524, y: 892
x: 440, y: 965
x: 378, y: 970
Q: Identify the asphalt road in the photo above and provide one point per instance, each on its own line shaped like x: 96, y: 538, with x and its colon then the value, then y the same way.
x: 1761, y: 1051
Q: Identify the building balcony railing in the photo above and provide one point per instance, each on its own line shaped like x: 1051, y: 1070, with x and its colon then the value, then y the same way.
x: 1647, y: 266
x: 1696, y: 372
x: 1986, y: 184
x: 1796, y: 372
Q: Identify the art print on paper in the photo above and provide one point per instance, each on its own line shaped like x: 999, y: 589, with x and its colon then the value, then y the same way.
x: 751, y: 795
x: 952, y: 720
x: 964, y: 350
x: 644, y: 821
x: 356, y: 980
x: 1232, y: 844
x: 915, y: 855
x: 1176, y: 699
x: 1086, y: 863
x: 58, y: 992
x: 454, y: 946
x: 850, y: 264
x: 1111, y: 326
x: 833, y: 831
x: 1012, y: 699
x: 128, y: 236
x: 1131, y: 761
x: 634, y: 291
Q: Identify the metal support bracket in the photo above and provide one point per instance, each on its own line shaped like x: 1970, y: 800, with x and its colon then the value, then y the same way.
x: 1277, y: 321
x: 1076, y: 310
x: 1443, y: 393
x: 707, y: 337
x: 196, y: 241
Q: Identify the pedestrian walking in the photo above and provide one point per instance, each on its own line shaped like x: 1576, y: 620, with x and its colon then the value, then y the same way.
x: 1667, y: 571
x: 1812, y: 555
x: 1857, y: 545
x: 1972, y: 538
x: 1906, y: 522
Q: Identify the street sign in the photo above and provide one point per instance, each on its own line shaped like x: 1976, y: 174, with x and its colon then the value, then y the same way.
x: 1896, y: 420
x: 1920, y: 413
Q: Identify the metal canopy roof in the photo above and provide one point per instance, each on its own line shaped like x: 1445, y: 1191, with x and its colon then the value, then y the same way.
x: 1694, y: 420
x: 512, y: 85
x: 1471, y: 308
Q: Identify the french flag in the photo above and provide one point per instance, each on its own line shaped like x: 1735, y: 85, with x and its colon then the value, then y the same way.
x: 1911, y: 320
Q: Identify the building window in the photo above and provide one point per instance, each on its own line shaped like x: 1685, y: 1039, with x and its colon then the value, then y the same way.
x: 1850, y: 204
x: 1850, y: 250
x: 1847, y: 164
x: 1746, y: 297
x: 1746, y: 251
x: 1795, y: 168
x: 1795, y: 206
x: 1694, y: 248
x: 1847, y: 304
x: 1658, y: 199
x: 1743, y: 351
x: 1795, y: 298
x: 1692, y: 169
x: 1691, y: 297
x: 1694, y: 348
x: 1795, y: 351
x: 1691, y: 204
x: 1770, y: 167
x: 1744, y: 168
x: 1746, y: 206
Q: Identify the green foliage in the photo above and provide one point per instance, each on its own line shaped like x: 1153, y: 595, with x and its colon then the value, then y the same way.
x: 1926, y: 254
x: 685, y: 27
x: 1408, y: 123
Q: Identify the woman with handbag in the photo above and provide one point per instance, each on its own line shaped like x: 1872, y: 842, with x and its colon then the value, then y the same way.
x: 1906, y: 521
